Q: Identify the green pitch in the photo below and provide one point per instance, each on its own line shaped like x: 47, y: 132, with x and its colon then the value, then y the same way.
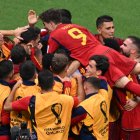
x: 126, y: 13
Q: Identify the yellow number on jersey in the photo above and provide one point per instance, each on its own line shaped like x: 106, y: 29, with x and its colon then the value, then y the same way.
x: 78, y: 35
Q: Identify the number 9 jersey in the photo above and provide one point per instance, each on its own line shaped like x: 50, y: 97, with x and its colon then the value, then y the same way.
x: 75, y: 39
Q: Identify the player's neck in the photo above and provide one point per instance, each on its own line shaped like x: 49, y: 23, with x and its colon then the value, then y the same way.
x: 46, y: 91
x: 101, y: 39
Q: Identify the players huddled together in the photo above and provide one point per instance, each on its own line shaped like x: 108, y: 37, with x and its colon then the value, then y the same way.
x: 63, y: 82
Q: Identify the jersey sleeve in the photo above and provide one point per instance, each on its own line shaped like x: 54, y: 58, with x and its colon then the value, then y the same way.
x: 21, y: 104
x: 76, y: 101
x: 78, y: 114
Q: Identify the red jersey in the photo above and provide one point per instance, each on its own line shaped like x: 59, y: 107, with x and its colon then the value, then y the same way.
x: 130, y: 119
x: 119, y: 40
x: 82, y: 45
x: 76, y: 39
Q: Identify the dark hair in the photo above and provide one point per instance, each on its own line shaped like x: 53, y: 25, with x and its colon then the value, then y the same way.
x: 18, y: 54
x: 27, y: 70
x: 102, y: 62
x: 47, y: 60
x: 100, y: 20
x: 112, y: 43
x: 51, y: 15
x: 31, y: 34
x: 95, y: 82
x: 59, y: 63
x: 6, y: 67
x: 45, y: 79
x: 136, y: 41
x: 65, y: 16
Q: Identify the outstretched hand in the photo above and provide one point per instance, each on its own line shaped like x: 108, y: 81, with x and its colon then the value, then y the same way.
x: 19, y: 30
x: 32, y: 17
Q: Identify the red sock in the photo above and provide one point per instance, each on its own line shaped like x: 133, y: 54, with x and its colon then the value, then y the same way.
x: 133, y: 87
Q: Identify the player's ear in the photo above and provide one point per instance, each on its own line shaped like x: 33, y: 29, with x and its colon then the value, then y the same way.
x: 99, y: 30
x: 132, y: 51
x: 98, y: 72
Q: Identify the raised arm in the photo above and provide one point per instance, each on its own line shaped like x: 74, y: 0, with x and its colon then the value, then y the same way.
x: 32, y: 18
x: 80, y: 90
x: 8, y: 102
x: 17, y: 32
x: 73, y: 67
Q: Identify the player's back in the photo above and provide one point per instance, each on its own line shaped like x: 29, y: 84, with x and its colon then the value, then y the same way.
x: 76, y: 39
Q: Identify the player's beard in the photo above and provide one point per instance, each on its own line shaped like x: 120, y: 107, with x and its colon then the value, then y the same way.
x: 125, y: 54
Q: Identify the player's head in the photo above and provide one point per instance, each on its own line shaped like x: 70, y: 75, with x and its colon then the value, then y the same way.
x: 112, y: 43
x: 31, y: 38
x: 46, y: 80
x: 6, y: 69
x: 28, y: 70
x: 60, y: 63
x: 65, y: 16
x: 131, y: 46
x: 98, y: 65
x: 50, y: 19
x: 91, y: 85
x: 18, y: 54
x: 105, y: 26
x: 32, y: 34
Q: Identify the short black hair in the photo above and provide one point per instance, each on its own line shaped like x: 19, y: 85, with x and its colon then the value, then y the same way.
x: 65, y: 16
x: 6, y: 67
x: 95, y: 82
x: 45, y: 79
x: 47, y: 60
x: 104, y: 18
x: 102, y: 62
x: 59, y: 63
x: 18, y: 54
x: 27, y: 70
x: 136, y: 41
x: 31, y: 34
x: 112, y: 43
x: 51, y: 15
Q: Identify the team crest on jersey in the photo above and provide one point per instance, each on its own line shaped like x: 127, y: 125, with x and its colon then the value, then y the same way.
x: 57, y: 109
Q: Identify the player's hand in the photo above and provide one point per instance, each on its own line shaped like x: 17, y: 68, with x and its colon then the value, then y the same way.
x: 32, y: 17
x: 19, y: 30
x: 39, y: 46
x: 17, y: 85
x: 28, y: 48
x: 16, y: 40
x: 130, y: 105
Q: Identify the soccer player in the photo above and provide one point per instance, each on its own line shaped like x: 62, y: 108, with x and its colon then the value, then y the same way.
x: 50, y: 111
x: 106, y: 29
x: 97, y: 66
x: 82, y: 45
x: 95, y: 108
x: 131, y: 48
x: 31, y: 42
x: 18, y: 56
x: 4, y: 48
x: 28, y: 74
x: 63, y: 83
x: 6, y: 72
